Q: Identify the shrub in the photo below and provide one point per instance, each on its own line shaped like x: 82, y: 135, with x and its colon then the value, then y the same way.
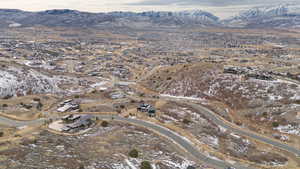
x: 133, y: 153
x: 190, y: 167
x: 36, y: 99
x: 104, y: 124
x: 119, y: 111
x: 265, y: 114
x: 7, y: 97
x: 1, y: 133
x: 275, y: 124
x: 186, y: 121
x: 26, y: 106
x: 146, y: 165
x: 39, y: 106
x: 81, y: 166
x: 238, y: 123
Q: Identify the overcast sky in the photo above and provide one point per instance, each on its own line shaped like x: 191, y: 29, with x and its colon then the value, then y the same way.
x: 221, y: 8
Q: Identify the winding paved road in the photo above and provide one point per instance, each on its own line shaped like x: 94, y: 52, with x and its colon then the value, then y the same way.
x: 179, y: 140
x: 176, y: 138
x: 14, y: 123
x: 219, y: 121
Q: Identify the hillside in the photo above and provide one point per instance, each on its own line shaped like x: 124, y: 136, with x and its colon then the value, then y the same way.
x: 282, y: 16
x: 73, y: 18
x: 248, y: 96
x: 210, y: 82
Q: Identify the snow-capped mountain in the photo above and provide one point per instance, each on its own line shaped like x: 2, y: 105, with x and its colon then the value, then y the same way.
x: 265, y: 12
x: 195, y: 17
x: 73, y: 18
x: 294, y: 10
x: 273, y: 16
x: 282, y: 16
x: 193, y: 14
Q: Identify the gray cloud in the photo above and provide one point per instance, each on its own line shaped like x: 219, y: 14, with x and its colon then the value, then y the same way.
x: 213, y: 2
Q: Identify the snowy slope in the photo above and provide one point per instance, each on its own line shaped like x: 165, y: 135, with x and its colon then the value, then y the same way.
x: 282, y: 16
x: 19, y: 81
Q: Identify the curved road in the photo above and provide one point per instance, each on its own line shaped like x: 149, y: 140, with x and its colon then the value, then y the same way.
x: 179, y: 140
x: 14, y: 123
x: 219, y: 121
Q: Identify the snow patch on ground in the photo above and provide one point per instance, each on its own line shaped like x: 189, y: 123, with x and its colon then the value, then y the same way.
x: 181, y: 97
x: 100, y: 84
x: 212, y: 141
x: 222, y: 129
x: 120, y: 166
x: 289, y: 129
x: 229, y: 86
x: 212, y: 157
x: 22, y: 127
x: 296, y: 97
x: 15, y: 81
x: 130, y: 164
x: 182, y: 165
x: 235, y: 136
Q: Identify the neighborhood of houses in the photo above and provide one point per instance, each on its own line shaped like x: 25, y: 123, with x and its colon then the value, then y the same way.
x: 73, y: 123
x: 251, y: 72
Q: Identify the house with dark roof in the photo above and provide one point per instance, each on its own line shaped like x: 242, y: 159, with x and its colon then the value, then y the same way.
x: 75, y: 123
x: 147, y: 108
x: 70, y: 118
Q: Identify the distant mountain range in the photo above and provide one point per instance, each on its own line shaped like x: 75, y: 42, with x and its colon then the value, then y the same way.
x: 73, y: 18
x: 264, y: 17
x: 261, y: 17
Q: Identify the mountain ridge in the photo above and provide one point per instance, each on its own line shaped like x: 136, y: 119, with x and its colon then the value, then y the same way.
x: 282, y: 16
x: 76, y: 18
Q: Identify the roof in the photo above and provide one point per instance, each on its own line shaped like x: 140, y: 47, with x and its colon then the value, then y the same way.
x: 71, y: 117
x: 84, y: 120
